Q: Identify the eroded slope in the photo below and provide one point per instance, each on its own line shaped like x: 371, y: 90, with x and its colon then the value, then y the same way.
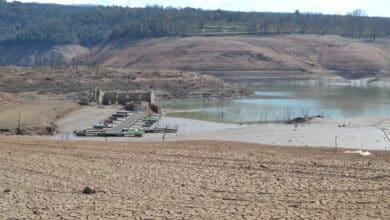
x: 290, y: 56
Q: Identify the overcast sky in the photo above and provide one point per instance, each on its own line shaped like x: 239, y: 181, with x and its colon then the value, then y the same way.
x: 371, y: 7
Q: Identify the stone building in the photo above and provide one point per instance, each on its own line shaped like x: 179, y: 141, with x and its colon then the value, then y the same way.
x: 121, y: 98
x: 128, y: 99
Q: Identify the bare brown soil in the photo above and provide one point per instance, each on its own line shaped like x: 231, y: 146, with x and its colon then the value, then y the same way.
x: 285, y: 56
x: 189, y: 180
x: 8, y: 99
x: 74, y: 82
x: 24, y: 116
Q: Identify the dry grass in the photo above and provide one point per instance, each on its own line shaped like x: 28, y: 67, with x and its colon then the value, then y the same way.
x: 189, y: 180
x: 34, y: 113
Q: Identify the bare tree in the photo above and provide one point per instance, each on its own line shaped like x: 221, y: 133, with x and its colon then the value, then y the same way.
x: 19, y: 125
x: 358, y: 12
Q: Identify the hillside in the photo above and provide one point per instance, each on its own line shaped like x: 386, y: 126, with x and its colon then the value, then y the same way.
x: 182, y: 44
x: 79, y: 82
x: 222, y: 43
x: 191, y: 67
x: 248, y: 57
x: 88, y: 26
x: 28, y: 54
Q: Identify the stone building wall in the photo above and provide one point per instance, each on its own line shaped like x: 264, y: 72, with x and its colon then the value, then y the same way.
x: 110, y: 98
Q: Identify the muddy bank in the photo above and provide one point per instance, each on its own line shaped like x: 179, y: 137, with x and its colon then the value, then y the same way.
x: 30, y: 131
x: 24, y: 116
x: 80, y: 82
x: 367, y: 133
x: 363, y: 133
x: 380, y: 82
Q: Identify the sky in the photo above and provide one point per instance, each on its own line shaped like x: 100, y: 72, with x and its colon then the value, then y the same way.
x: 370, y: 7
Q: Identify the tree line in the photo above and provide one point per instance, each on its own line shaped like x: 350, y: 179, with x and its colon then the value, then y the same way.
x: 90, y: 25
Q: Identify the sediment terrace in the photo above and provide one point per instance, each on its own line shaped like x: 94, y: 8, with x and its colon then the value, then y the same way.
x: 75, y: 82
x: 250, y: 57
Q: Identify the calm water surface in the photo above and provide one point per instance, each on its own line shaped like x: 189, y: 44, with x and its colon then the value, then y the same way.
x: 282, y: 102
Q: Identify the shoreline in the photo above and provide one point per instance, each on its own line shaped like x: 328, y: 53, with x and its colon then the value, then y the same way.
x: 330, y: 81
x: 379, y: 82
x: 357, y: 133
x: 347, y: 133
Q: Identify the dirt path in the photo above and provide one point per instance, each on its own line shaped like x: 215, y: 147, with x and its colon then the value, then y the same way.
x: 191, y: 180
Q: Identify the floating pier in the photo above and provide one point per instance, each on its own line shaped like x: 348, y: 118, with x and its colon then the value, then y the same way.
x: 130, y: 121
x: 125, y: 124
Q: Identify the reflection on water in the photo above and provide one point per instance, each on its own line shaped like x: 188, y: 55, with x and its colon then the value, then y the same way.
x: 281, y: 102
x: 272, y: 94
x: 287, y: 103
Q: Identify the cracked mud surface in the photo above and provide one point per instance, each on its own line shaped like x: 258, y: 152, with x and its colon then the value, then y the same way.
x: 189, y: 180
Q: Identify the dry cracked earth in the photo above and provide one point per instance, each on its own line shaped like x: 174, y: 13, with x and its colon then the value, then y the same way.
x: 43, y: 179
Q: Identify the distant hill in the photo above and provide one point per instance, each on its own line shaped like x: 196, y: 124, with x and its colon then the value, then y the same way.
x: 229, y: 45
x: 88, y: 26
x: 249, y: 57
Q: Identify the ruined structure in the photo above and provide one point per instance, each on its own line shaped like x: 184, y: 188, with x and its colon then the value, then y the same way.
x: 128, y: 99
x: 120, y: 98
x: 137, y: 106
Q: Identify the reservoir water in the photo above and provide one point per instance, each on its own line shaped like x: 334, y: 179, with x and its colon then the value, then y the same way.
x: 281, y: 102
